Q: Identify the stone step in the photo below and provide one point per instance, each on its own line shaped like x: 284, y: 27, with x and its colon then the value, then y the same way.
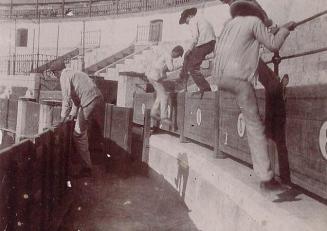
x: 222, y: 194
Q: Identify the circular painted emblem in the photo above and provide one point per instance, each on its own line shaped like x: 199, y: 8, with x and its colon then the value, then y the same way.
x: 169, y: 111
x: 198, y: 116
x: 143, y: 108
x: 1, y: 136
x: 240, y: 125
x: 323, y: 140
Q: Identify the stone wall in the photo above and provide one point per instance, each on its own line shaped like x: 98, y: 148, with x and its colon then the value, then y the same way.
x: 311, y: 69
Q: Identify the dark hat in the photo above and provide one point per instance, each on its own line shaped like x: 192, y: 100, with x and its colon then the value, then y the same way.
x: 249, y: 8
x: 186, y: 13
x: 57, y: 65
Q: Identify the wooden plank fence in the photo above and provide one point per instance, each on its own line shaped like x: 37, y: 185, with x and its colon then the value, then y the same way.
x: 34, y: 180
x: 118, y: 130
x: 296, y: 131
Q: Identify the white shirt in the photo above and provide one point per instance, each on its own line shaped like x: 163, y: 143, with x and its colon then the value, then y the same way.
x: 161, y: 64
x: 237, y: 52
x: 78, y: 90
x: 202, y: 31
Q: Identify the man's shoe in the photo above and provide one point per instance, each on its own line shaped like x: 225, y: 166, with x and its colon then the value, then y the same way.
x: 271, y: 185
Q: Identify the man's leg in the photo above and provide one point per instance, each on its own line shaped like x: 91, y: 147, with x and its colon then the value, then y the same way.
x: 98, y: 118
x: 195, y: 60
x: 163, y: 97
x: 80, y: 139
x: 246, y: 99
x: 156, y: 105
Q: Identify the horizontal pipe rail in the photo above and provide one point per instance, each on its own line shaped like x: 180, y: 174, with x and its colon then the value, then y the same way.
x: 301, y: 54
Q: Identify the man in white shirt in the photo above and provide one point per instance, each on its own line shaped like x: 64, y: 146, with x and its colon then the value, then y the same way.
x: 203, y: 43
x: 236, y: 66
x: 81, y: 98
x: 156, y: 73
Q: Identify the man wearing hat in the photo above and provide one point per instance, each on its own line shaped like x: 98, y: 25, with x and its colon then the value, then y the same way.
x: 156, y: 73
x: 81, y: 97
x: 203, y: 43
x: 235, y: 68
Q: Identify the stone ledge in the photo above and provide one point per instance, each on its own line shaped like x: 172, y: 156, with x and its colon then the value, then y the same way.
x: 224, y: 194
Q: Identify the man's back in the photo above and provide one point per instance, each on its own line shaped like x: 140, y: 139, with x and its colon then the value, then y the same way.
x: 82, y: 88
x: 160, y: 60
x: 237, y: 52
x: 202, y: 30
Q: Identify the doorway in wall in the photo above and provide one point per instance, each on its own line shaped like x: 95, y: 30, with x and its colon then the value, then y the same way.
x: 155, y: 31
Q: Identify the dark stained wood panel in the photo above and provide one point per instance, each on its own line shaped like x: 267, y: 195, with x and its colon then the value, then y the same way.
x: 199, y: 117
x: 306, y: 137
x: 141, y: 102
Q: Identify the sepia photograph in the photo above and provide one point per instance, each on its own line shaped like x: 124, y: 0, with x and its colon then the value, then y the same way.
x: 163, y: 115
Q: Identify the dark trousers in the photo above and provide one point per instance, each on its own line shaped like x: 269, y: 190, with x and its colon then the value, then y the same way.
x: 192, y: 63
x: 92, y: 114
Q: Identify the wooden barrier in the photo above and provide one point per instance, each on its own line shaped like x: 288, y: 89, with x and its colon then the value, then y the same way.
x: 7, y: 138
x: 34, y: 177
x: 306, y: 137
x: 232, y: 130
x: 49, y: 114
x: 108, y: 89
x: 199, y: 117
x: 175, y: 107
x: 4, y: 113
x: 146, y: 136
x: 296, y: 131
x: 141, y: 103
x: 118, y: 130
x: 8, y: 114
x: 27, y: 118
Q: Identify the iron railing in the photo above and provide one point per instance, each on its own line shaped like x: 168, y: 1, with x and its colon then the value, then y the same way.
x: 92, y: 38
x: 90, y: 8
x: 23, y: 63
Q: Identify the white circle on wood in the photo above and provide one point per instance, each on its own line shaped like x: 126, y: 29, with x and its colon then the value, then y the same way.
x: 169, y: 111
x: 241, y: 125
x: 323, y: 139
x: 198, y: 116
x: 1, y: 136
x: 143, y: 108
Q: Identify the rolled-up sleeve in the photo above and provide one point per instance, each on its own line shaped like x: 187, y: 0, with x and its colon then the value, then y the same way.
x: 270, y: 41
x: 66, y: 95
x: 169, y: 62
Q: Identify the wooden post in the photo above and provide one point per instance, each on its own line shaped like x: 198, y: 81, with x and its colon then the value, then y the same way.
x: 146, y: 136
x: 217, y: 152
x: 107, y: 126
x: 276, y: 61
x: 181, y: 130
x: 21, y: 118
x: 63, y: 8
x: 128, y: 137
x: 90, y: 8
x: 117, y: 7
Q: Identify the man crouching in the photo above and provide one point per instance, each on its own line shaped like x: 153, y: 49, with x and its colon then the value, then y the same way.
x: 81, y: 98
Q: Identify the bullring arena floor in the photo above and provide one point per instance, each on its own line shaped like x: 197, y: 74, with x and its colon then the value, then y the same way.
x: 125, y: 199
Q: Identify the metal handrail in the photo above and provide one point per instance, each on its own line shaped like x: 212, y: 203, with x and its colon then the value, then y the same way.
x: 276, y: 59
x: 300, y: 54
x: 94, y: 9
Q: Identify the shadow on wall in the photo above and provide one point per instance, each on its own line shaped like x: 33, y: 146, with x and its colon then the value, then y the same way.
x: 182, y: 174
